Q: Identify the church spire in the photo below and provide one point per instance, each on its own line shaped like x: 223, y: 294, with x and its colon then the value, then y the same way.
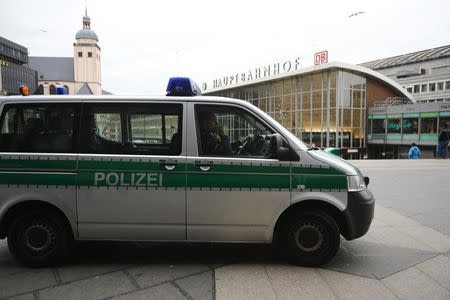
x: 86, y: 19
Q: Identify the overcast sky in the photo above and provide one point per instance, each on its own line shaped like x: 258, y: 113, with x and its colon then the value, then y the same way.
x: 145, y: 42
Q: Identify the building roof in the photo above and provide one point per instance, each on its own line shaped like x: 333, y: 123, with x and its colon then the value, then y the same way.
x: 53, y: 68
x: 323, y: 67
x: 86, y: 33
x: 410, y: 58
x: 85, y: 90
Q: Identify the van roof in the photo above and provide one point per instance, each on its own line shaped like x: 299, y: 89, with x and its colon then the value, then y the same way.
x: 115, y: 98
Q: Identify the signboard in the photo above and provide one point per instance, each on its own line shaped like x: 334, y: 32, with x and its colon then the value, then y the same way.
x: 321, y: 58
x: 254, y: 74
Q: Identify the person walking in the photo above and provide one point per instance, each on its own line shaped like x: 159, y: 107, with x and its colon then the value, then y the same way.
x: 414, y: 152
x: 443, y: 140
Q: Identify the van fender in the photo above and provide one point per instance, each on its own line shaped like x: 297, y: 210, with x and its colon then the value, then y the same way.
x: 65, y: 207
x: 337, y: 199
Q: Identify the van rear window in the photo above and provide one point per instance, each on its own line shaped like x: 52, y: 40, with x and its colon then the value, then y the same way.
x: 37, y: 128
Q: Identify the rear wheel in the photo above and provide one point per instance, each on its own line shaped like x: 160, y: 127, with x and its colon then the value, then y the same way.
x: 310, y: 238
x: 38, y: 238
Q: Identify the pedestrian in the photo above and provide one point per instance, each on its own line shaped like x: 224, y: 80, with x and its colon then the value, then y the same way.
x: 443, y: 140
x: 414, y: 152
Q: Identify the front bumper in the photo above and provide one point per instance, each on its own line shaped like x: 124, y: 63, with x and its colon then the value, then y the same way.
x: 359, y: 213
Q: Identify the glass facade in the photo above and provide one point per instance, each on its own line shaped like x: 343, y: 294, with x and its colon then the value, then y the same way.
x: 324, y: 109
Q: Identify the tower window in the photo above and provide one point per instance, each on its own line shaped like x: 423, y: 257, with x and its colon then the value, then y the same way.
x: 89, y: 54
x: 80, y: 54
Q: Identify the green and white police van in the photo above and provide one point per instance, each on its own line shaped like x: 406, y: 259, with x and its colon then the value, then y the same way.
x: 180, y: 167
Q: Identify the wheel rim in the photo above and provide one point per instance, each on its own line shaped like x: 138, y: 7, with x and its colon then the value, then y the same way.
x: 308, y: 237
x: 39, y: 238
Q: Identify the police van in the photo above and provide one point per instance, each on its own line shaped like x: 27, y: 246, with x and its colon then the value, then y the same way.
x: 181, y: 167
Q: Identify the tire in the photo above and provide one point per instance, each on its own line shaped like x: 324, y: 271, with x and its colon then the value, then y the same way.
x: 310, y: 238
x: 39, y: 238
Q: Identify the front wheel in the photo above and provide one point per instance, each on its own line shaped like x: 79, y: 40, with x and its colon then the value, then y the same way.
x: 310, y: 238
x: 38, y: 238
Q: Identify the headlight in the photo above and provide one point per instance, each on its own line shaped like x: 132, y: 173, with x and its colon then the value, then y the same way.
x: 355, y: 183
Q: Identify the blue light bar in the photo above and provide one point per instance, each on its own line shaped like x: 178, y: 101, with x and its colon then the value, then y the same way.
x: 182, y: 86
x: 60, y: 90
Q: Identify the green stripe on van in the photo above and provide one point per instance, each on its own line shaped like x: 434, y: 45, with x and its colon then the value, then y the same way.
x: 38, y: 164
x: 45, y: 179
x: 320, y: 182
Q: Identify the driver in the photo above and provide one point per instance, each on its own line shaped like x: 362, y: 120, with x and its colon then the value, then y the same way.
x: 214, y: 140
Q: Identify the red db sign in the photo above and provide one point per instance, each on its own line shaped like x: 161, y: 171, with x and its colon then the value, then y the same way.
x: 321, y: 57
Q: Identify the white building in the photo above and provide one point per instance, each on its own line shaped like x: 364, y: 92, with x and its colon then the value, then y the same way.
x: 424, y: 74
x: 80, y: 74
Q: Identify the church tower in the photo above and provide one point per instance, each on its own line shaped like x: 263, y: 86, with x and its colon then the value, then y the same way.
x: 87, y: 60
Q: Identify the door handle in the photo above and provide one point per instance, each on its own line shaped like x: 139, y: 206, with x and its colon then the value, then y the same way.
x: 169, y: 164
x: 204, y: 165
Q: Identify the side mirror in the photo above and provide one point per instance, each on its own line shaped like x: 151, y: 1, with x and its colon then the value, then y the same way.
x: 276, y: 147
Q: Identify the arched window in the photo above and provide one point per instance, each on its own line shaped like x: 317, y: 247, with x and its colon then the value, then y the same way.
x: 67, y: 89
x: 40, y: 90
x: 52, y: 90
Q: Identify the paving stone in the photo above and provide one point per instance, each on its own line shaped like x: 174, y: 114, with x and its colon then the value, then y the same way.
x: 394, y: 238
x: 23, y: 297
x: 243, y: 282
x: 292, y: 282
x: 150, y: 275
x: 25, y: 282
x: 434, y: 239
x: 438, y: 268
x: 9, y: 266
x: 374, y: 260
x: 378, y: 223
x: 346, y: 286
x: 198, y: 286
x: 392, y: 218
x: 97, y: 287
x: 82, y: 271
x: 164, y: 291
x: 414, y: 284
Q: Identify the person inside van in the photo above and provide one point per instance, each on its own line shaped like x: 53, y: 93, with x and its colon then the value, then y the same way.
x: 213, y: 139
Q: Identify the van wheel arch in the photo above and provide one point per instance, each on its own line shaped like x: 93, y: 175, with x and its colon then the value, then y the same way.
x: 305, y: 205
x: 16, y: 210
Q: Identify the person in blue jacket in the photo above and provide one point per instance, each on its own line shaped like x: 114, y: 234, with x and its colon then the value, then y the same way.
x: 414, y: 152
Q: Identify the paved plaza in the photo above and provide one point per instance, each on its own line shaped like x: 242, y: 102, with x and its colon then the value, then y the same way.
x: 405, y: 255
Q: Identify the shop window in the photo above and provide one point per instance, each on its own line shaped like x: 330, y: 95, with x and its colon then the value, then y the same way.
x: 379, y: 126
x: 410, y: 125
x: 393, y: 126
x: 444, y: 121
x: 428, y: 125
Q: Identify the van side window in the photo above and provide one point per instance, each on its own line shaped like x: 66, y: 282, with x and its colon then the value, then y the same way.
x: 141, y: 129
x: 102, y: 129
x: 35, y: 128
x: 229, y: 131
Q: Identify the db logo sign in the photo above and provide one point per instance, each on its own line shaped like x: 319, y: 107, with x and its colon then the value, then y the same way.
x: 321, y: 57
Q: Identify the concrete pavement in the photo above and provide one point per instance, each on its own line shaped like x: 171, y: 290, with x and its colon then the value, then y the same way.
x: 401, y: 257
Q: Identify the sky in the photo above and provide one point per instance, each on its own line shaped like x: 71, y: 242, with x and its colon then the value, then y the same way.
x: 144, y: 43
